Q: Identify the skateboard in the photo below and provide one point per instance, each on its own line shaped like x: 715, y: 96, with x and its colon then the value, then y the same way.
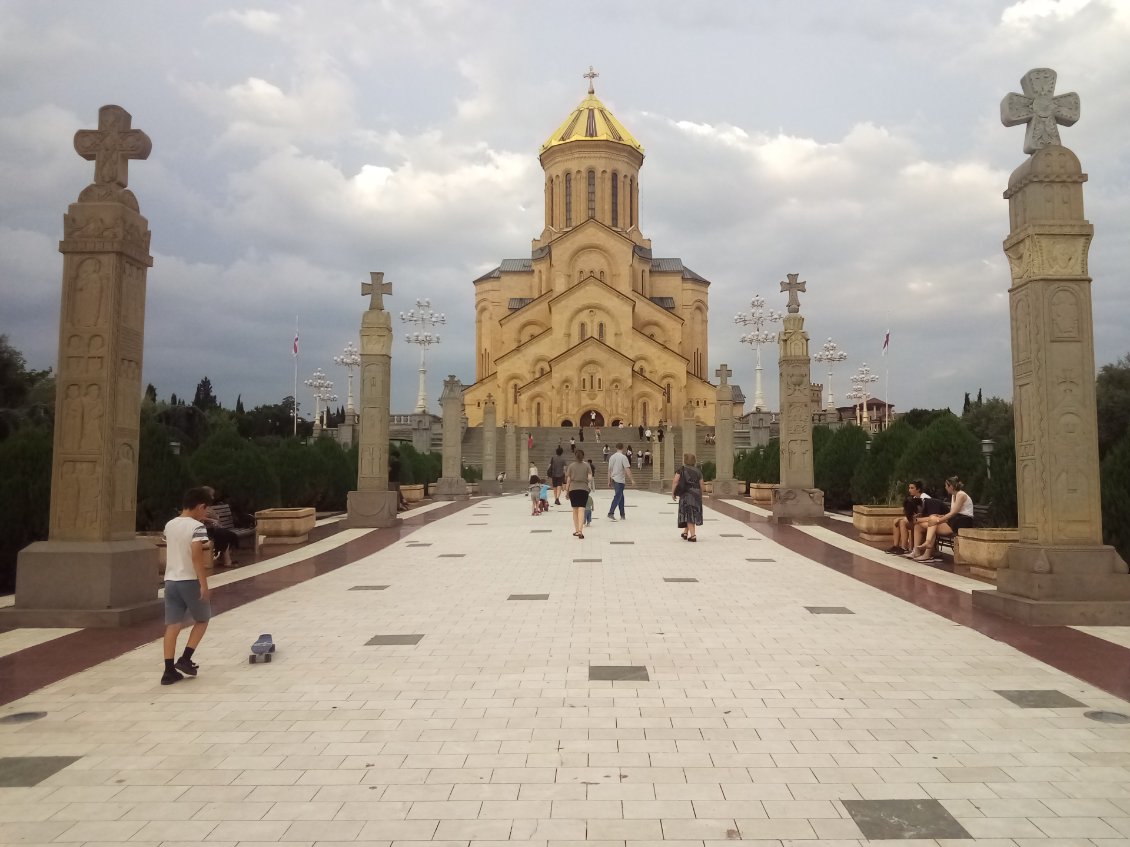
x: 264, y: 646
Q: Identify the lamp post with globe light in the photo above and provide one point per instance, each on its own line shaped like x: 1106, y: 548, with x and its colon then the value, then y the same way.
x: 318, y: 385
x: 854, y: 396
x: 327, y: 398
x: 831, y: 355
x: 864, y: 379
x: 349, y: 359
x: 423, y: 317
x: 756, y: 318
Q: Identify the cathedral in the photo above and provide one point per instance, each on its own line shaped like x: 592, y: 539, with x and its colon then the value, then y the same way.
x: 591, y: 329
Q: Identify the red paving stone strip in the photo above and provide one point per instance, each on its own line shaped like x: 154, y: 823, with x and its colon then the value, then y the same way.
x: 1093, y: 660
x: 30, y: 669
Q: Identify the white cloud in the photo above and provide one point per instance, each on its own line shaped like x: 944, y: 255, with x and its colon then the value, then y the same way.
x: 259, y: 21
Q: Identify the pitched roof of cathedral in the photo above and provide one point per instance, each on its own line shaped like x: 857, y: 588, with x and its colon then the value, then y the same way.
x: 663, y: 265
x: 591, y: 120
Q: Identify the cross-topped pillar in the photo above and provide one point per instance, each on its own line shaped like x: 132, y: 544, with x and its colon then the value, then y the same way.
x: 1040, y: 108
x: 724, y: 483
x: 374, y: 504
x: 792, y: 286
x: 1060, y: 572
x: 92, y: 571
x: 489, y: 483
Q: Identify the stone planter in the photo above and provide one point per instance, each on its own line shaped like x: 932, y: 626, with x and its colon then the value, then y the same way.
x: 875, y: 523
x: 284, y: 526
x: 708, y: 487
x: 412, y: 493
x: 982, y: 551
x: 472, y: 488
x: 761, y: 493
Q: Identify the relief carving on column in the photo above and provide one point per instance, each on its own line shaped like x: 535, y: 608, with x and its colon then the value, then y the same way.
x: 90, y: 290
x: 93, y: 416
x: 72, y: 418
x: 1065, y: 315
x: 125, y: 480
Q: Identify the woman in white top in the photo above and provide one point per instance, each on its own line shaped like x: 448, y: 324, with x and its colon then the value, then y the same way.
x: 960, y: 516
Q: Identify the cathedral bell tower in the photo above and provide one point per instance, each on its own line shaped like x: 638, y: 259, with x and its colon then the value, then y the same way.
x: 592, y: 165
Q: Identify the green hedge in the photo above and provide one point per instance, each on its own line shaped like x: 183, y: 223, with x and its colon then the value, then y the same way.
x: 945, y: 448
x: 836, y: 463
x: 874, y: 480
x: 1115, y: 480
x: 25, y: 495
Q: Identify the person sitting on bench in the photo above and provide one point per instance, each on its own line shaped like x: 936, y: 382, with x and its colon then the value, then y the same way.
x: 929, y: 527
x: 912, y: 508
x: 222, y: 539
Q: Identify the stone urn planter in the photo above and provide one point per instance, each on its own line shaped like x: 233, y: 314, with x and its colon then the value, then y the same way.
x: 874, y: 523
x: 981, y: 552
x: 761, y: 493
x: 412, y: 493
x: 284, y: 526
x: 472, y: 488
x: 708, y: 487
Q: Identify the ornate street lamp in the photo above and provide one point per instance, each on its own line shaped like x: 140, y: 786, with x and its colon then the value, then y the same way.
x: 327, y: 398
x: 349, y: 359
x: 854, y: 397
x: 864, y: 379
x: 756, y: 318
x: 831, y: 355
x: 425, y: 318
x: 318, y: 385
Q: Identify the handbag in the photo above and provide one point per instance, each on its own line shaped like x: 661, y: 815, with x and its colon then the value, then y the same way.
x: 682, y: 486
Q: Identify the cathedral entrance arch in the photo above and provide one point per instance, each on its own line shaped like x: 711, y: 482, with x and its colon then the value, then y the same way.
x: 566, y: 422
x: 592, y: 418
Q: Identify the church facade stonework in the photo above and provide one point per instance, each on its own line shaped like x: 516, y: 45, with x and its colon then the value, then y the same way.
x: 591, y: 328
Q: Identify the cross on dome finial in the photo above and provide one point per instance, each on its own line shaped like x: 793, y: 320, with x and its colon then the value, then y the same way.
x: 1040, y: 108
x: 590, y: 76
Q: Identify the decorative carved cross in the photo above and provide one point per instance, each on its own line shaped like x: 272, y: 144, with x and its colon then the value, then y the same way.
x: 792, y: 286
x: 112, y: 145
x: 724, y: 373
x: 590, y: 76
x: 1040, y: 108
x: 376, y: 289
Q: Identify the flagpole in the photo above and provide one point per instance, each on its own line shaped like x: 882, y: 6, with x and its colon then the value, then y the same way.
x: 886, y: 382
x: 295, y: 404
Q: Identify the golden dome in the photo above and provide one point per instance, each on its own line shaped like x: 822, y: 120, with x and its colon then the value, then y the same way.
x: 591, y: 120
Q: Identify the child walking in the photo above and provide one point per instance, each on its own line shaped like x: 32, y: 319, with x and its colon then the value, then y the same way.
x: 588, y: 511
x: 535, y: 495
x: 186, y: 583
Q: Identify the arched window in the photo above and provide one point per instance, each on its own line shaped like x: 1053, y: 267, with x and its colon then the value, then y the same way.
x: 631, y: 205
x: 551, y: 208
x: 584, y: 333
x: 615, y: 200
x: 537, y: 413
x: 600, y: 330
x: 568, y: 200
x: 592, y: 193
x: 600, y: 383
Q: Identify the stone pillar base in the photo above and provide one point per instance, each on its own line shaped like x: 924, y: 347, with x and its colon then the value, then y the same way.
x: 1060, y: 585
x: 490, y: 486
x: 85, y: 583
x: 657, y: 485
x: 366, y: 509
x: 450, y: 488
x: 730, y: 488
x: 797, y: 505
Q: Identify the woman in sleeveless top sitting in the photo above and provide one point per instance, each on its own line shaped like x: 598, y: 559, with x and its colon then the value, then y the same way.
x: 960, y: 516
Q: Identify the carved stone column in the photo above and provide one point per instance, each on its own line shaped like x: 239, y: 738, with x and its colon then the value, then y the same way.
x: 92, y: 570
x: 656, y: 462
x: 690, y: 436
x: 373, y: 504
x: 510, y: 451
x: 724, y: 483
x: 795, y: 499
x: 451, y: 485
x: 1060, y: 572
x: 669, y: 465
x: 489, y: 484
x: 524, y: 456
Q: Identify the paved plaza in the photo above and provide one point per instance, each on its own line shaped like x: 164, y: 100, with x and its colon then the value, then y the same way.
x: 483, y: 677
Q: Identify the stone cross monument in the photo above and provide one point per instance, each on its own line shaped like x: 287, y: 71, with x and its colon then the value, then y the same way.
x: 724, y: 483
x: 656, y: 463
x: 1060, y: 572
x: 524, y: 456
x: 669, y: 465
x: 489, y: 483
x: 451, y: 485
x: 373, y: 504
x: 510, y: 459
x: 92, y: 570
x: 795, y: 499
x: 690, y: 436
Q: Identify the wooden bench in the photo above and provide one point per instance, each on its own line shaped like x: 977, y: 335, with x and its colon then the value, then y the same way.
x: 223, y: 514
x: 980, y: 515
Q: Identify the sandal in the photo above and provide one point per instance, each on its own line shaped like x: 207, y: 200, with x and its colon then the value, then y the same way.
x: 684, y: 536
x: 692, y: 538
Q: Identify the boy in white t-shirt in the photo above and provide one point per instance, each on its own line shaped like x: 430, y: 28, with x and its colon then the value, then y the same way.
x: 186, y: 582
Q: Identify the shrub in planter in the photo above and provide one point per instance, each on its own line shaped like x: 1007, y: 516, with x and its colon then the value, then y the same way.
x: 769, y: 465
x: 406, y: 473
x: 1114, y: 478
x: 874, y: 479
x: 999, y: 491
x: 237, y: 469
x: 162, y: 476
x: 471, y: 473
x: 25, y: 495
x: 836, y: 464
x: 709, y: 471
x: 945, y: 448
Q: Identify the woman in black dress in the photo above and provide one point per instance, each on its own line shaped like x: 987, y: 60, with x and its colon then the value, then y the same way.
x: 687, y: 486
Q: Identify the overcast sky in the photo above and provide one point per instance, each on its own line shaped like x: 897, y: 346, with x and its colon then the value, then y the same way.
x: 299, y: 146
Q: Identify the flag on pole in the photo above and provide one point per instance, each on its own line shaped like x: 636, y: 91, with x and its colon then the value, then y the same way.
x: 296, y: 343
x: 886, y: 342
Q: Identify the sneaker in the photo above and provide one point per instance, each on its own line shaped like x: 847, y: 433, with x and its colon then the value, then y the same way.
x: 169, y: 677
x: 896, y: 550
x: 186, y: 666
x: 611, y: 517
x: 556, y: 502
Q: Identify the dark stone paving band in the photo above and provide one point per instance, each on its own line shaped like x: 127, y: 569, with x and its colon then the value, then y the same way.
x: 618, y: 673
